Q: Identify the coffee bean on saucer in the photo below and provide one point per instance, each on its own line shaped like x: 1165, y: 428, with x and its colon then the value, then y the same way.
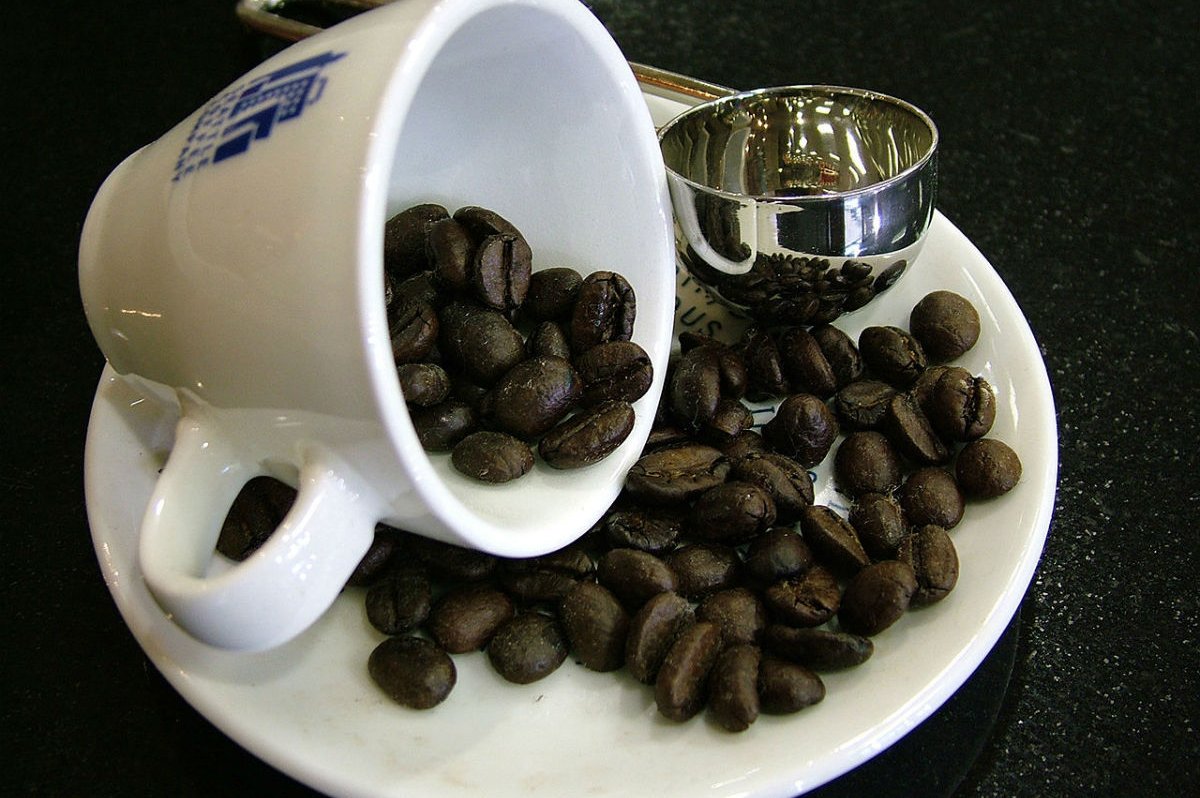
x: 596, y: 626
x: 892, y: 354
x: 962, y: 407
x: 809, y: 599
x: 819, y: 649
x: 946, y: 324
x: 880, y: 524
x: 733, y: 698
x: 679, y: 686
x: 615, y: 370
x: 399, y: 603
x: 676, y: 474
x: 413, y: 671
x: 784, y: 479
x: 786, y: 687
x: 527, y: 648
x: 465, y: 618
x: 702, y: 568
x: 832, y: 539
x: 934, y: 560
x: 423, y: 384
x: 987, y: 468
x: 652, y: 630
x: 876, y: 597
x: 862, y: 404
x: 931, y: 496
x: 866, y: 462
x: 634, y: 576
x: 777, y: 554
x: 803, y: 428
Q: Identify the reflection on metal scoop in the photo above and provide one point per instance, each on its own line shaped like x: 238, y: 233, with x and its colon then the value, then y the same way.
x: 796, y: 204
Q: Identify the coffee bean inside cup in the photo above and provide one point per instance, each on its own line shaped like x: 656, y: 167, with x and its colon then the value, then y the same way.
x: 543, y: 353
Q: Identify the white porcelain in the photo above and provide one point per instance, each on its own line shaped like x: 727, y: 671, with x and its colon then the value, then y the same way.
x: 310, y: 709
x: 233, y: 270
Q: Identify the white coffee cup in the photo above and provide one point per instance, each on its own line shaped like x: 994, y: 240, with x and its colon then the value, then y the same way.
x: 234, y: 268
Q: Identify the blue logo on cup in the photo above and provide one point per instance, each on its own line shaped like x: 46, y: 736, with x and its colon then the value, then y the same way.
x: 250, y: 112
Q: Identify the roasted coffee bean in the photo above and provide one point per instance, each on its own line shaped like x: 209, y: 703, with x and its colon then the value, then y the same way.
x: 546, y: 578
x: 500, y: 271
x: 258, y: 509
x: 596, y: 626
x: 931, y: 496
x: 810, y: 599
x: 527, y: 648
x: 679, y: 686
x: 605, y: 309
x: 400, y: 603
x: 634, y: 576
x: 863, y: 404
x: 786, y: 687
x: 420, y: 289
x: 548, y: 338
x: 930, y: 552
x: 946, y: 324
x: 841, y: 353
x: 733, y: 688
x: 911, y: 432
x: 880, y: 524
x: 647, y: 530
x: 447, y: 561
x: 483, y: 222
x: 451, y: 255
x: 888, y: 277
x: 787, y: 482
x: 738, y: 611
x: 733, y: 512
x: 987, y: 468
x: 803, y: 428
x: 731, y: 419
x: 384, y: 545
x: 490, y: 456
x: 405, y: 236
x: 694, y: 389
x: 764, y: 365
x: 676, y: 474
x: 423, y: 384
x: 536, y: 585
x: 804, y: 363
x: 703, y: 568
x: 588, y: 436
x: 962, y: 407
x: 480, y: 341
x: 534, y: 395
x: 922, y: 389
x: 552, y: 293
x: 735, y: 380
x: 777, y: 554
x: 413, y: 671
x: 413, y: 328
x: 866, y: 462
x: 892, y: 354
x: 876, y: 597
x: 832, y: 539
x: 664, y: 434
x: 652, y: 630
x: 443, y: 425
x: 615, y: 370
x: 744, y: 443
x: 465, y: 618
x: 819, y: 649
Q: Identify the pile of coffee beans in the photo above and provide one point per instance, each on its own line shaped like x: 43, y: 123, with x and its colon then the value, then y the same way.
x: 714, y: 578
x: 495, y: 359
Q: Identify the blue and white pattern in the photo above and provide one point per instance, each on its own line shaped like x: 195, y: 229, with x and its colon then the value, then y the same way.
x: 249, y: 112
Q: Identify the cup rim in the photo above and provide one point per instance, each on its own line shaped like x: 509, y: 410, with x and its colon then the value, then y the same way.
x: 710, y: 107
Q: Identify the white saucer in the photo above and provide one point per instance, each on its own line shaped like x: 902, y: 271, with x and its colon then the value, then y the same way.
x: 310, y: 709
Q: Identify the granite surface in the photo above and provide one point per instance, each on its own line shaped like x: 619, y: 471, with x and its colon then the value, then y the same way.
x: 1067, y: 158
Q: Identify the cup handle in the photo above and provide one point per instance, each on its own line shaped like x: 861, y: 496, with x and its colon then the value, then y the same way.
x: 287, y: 583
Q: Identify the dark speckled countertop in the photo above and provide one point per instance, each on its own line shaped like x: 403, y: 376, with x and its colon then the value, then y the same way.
x: 1067, y: 158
